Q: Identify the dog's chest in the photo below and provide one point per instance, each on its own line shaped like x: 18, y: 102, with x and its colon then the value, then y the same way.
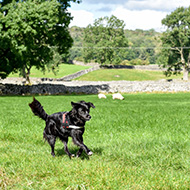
x: 65, y: 121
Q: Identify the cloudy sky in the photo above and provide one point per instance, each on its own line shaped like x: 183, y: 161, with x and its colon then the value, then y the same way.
x: 137, y: 14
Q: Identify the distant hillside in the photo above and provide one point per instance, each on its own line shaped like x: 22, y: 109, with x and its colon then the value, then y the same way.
x: 77, y: 35
x: 143, y: 45
x: 142, y: 37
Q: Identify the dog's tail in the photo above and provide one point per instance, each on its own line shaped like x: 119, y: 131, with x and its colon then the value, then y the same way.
x: 38, y: 110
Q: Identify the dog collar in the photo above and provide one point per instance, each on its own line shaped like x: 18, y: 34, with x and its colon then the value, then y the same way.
x: 65, y: 123
x: 75, y: 127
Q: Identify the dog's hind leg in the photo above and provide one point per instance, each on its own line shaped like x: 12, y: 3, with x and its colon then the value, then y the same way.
x: 51, y: 140
x: 52, y: 144
x: 50, y: 134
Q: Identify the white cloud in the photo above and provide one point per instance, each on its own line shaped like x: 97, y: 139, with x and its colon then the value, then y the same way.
x: 81, y: 18
x: 161, y: 5
x: 144, y: 19
x: 137, y: 14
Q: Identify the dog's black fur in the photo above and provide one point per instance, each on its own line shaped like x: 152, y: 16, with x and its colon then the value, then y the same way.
x: 54, y: 128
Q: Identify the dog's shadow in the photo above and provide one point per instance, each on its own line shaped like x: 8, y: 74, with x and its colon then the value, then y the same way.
x: 84, y: 156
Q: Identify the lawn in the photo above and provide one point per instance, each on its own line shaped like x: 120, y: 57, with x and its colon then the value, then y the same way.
x: 141, y: 142
x: 102, y: 74
x: 124, y: 74
x: 63, y: 70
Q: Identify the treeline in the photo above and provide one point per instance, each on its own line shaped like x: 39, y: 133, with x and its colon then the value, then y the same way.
x: 143, y: 46
x: 36, y: 34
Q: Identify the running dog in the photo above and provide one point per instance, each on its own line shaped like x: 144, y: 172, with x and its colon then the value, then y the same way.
x: 65, y: 124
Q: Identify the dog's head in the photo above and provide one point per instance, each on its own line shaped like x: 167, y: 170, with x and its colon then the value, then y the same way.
x: 82, y: 110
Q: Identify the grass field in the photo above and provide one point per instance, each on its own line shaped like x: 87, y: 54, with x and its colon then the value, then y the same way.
x: 124, y: 74
x: 142, y: 142
x: 63, y: 70
x: 101, y: 75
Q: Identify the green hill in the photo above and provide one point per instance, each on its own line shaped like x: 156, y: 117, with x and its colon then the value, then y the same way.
x: 125, y: 74
x: 143, y: 45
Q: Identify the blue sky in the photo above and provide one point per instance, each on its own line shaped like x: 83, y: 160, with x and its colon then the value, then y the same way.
x: 137, y: 14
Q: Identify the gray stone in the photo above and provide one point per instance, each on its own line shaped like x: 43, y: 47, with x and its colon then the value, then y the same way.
x: 89, y: 87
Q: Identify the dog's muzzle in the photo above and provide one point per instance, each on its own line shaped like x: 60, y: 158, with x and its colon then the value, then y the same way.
x: 88, y: 117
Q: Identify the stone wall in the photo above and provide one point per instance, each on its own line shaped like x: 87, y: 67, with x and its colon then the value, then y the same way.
x: 78, y: 74
x: 15, y: 86
x: 138, y: 67
x: 83, y: 87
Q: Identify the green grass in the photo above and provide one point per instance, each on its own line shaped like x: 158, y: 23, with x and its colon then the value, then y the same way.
x: 64, y: 69
x: 141, y: 142
x: 102, y: 74
x: 124, y: 74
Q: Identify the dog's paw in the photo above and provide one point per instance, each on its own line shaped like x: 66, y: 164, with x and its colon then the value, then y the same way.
x: 72, y: 155
x: 53, y: 154
x: 90, y: 153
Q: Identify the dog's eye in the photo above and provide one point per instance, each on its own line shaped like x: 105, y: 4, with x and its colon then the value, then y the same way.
x: 81, y: 110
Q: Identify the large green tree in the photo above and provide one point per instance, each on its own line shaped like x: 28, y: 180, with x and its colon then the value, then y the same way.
x: 30, y: 31
x: 104, y: 40
x: 176, y: 41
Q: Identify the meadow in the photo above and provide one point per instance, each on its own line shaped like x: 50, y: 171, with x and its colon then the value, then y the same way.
x: 141, y: 142
x: 125, y: 74
x: 101, y: 75
x: 63, y: 70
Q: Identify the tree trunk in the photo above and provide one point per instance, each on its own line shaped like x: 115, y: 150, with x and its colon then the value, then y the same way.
x: 185, y: 73
x: 185, y: 67
x: 28, y: 77
x: 26, y: 73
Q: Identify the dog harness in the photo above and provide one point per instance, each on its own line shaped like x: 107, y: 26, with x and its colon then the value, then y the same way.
x: 66, y: 125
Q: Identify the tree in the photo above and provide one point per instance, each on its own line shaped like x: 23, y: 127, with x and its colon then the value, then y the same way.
x: 30, y: 31
x: 104, y: 40
x: 142, y: 45
x: 176, y: 40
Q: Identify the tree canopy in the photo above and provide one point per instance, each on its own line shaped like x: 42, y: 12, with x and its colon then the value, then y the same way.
x: 143, y: 46
x: 30, y: 31
x: 176, y: 40
x: 103, y: 41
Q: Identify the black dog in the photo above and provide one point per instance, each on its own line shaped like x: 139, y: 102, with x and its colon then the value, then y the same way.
x: 65, y: 124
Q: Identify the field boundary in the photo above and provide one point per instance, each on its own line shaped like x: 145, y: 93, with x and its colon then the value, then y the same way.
x: 87, y: 87
x: 78, y: 74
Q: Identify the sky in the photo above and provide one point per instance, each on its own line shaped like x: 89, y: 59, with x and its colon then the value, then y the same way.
x: 137, y: 14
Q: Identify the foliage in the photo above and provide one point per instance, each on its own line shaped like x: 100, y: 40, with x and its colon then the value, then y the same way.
x: 136, y: 61
x: 143, y: 44
x: 28, y: 31
x: 103, y: 41
x: 176, y: 51
x: 77, y: 34
x: 145, y: 146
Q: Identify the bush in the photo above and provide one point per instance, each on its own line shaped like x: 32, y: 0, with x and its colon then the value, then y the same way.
x: 135, y: 62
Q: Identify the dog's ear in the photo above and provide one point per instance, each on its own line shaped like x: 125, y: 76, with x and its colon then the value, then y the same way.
x: 91, y: 104
x: 82, y: 102
x: 74, y: 104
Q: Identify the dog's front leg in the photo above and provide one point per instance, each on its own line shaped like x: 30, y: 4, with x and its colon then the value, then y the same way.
x: 67, y: 150
x: 79, y: 152
x: 78, y: 140
x: 65, y: 141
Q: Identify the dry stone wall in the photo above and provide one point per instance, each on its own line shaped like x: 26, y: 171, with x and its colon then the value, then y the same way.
x: 16, y: 86
x: 83, y: 87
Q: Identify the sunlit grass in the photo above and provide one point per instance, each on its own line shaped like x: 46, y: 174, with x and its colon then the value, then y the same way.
x: 141, y: 142
x: 63, y: 70
x: 102, y: 74
x: 124, y: 74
